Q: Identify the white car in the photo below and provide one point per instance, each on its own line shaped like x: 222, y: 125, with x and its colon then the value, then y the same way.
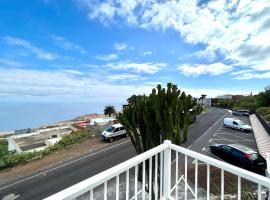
x: 114, y: 131
x: 236, y: 124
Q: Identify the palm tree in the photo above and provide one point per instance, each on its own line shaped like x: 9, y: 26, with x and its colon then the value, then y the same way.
x: 109, y: 110
x: 202, y: 98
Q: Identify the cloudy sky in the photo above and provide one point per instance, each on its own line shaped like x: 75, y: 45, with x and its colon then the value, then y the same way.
x: 90, y: 50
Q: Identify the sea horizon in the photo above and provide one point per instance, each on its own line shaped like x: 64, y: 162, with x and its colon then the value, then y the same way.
x: 20, y: 115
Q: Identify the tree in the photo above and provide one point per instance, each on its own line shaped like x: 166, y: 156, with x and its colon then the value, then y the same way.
x: 109, y: 110
x: 263, y: 98
x: 163, y: 115
x: 202, y: 98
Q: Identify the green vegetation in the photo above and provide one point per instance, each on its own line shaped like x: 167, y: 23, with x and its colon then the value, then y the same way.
x: 247, y: 102
x: 265, y: 113
x: 109, y: 110
x: 163, y: 115
x: 10, y: 160
x: 3, y: 147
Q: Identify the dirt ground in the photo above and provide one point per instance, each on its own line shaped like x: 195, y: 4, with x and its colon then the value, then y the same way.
x: 58, y: 157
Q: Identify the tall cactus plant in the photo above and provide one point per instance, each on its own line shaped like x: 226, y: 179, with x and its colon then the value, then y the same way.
x: 163, y: 115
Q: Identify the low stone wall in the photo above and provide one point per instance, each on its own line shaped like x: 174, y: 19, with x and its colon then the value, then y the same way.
x: 263, y: 122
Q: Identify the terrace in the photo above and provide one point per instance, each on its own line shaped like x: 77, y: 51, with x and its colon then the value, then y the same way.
x: 180, y: 173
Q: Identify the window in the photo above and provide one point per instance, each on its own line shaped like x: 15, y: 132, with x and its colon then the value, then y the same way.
x: 122, y: 128
x: 237, y: 153
x: 116, y: 130
x: 110, y: 129
x: 227, y: 148
x: 234, y: 123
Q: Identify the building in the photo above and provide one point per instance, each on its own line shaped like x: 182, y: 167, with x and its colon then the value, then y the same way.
x: 38, y: 140
x: 102, y: 120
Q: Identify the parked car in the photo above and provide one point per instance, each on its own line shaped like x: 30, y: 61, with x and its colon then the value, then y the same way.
x: 241, y: 156
x: 193, y: 119
x: 113, y: 132
x: 241, y: 113
x: 236, y: 124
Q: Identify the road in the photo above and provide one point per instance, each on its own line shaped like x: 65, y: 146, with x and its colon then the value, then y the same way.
x: 39, y: 186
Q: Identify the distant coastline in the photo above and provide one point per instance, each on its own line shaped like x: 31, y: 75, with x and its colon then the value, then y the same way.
x: 22, y: 115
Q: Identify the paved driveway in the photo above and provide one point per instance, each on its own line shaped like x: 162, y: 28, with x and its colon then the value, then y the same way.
x: 217, y: 134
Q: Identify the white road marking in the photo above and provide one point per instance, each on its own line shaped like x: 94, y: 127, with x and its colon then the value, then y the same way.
x: 11, y: 197
x: 208, y: 129
x: 49, y: 170
x: 203, y: 149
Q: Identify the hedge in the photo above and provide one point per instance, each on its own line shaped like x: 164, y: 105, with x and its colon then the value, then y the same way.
x: 20, y: 158
x: 265, y: 113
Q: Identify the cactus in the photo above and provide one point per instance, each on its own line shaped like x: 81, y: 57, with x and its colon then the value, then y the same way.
x: 163, y: 115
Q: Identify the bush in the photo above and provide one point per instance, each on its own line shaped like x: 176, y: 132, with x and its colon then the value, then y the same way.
x: 3, y: 147
x: 263, y: 111
x: 267, y: 117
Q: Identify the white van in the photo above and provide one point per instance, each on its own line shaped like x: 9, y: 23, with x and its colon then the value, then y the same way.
x: 114, y: 131
x: 236, y: 124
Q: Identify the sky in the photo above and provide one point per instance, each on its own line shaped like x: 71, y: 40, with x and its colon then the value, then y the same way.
x: 100, y: 51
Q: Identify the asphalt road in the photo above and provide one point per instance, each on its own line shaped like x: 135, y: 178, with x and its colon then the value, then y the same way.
x: 39, y: 186
x: 217, y: 134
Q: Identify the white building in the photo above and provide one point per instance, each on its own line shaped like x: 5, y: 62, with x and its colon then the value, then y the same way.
x: 38, y: 140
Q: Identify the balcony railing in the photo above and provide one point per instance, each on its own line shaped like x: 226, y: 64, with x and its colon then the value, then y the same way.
x: 169, y: 171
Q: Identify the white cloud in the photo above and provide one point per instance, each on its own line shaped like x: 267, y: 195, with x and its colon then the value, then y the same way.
x: 120, y: 46
x: 127, y: 77
x: 199, y: 69
x: 241, y: 72
x: 238, y: 30
x: 147, y: 53
x: 207, y: 53
x: 9, y: 62
x: 107, y: 57
x: 249, y: 75
x: 60, y: 41
x: 72, y: 71
x: 149, y: 68
x: 212, y: 93
x: 65, y: 85
x: 40, y: 53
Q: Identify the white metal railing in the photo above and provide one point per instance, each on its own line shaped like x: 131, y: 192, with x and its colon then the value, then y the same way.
x: 152, y: 169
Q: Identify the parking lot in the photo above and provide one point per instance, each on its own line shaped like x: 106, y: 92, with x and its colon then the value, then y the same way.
x: 217, y: 134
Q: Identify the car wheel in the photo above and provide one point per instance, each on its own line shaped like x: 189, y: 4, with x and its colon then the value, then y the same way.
x: 125, y: 135
x: 111, y: 140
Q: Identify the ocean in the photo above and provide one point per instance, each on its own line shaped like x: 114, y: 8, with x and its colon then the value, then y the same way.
x: 19, y: 115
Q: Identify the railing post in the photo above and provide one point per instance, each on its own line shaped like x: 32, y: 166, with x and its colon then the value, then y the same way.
x: 167, y: 170
x: 268, y: 172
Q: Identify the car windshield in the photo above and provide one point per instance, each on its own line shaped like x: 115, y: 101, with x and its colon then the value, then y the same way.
x: 240, y: 122
x: 110, y: 129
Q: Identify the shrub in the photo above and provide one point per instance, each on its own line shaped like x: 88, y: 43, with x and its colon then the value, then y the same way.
x: 267, y: 117
x: 263, y: 111
x: 3, y: 147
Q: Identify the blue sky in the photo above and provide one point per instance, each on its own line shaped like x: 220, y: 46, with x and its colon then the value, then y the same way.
x: 88, y: 50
